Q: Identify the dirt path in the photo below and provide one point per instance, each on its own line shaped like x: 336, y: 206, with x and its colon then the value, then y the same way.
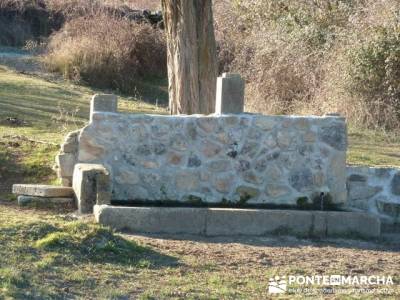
x: 25, y: 62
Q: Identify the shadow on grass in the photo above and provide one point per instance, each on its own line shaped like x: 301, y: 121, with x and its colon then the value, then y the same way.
x: 78, y: 242
x: 12, y: 159
x: 37, y: 255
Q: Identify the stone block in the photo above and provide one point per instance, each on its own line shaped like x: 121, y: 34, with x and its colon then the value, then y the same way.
x: 50, y: 191
x: 395, y: 184
x: 66, y: 163
x: 43, y: 201
x: 91, y: 185
x: 103, y: 103
x: 390, y: 209
x: 352, y: 224
x: 153, y: 219
x: 70, y: 144
x: 257, y: 222
x: 230, y: 94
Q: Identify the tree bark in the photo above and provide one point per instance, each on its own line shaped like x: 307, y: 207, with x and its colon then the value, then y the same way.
x: 192, y: 58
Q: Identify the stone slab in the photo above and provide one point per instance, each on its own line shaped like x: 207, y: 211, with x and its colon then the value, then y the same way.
x: 103, y: 103
x: 230, y: 94
x: 360, y: 224
x: 66, y: 163
x: 152, y: 219
x: 50, y: 191
x: 228, y: 222
x: 33, y: 200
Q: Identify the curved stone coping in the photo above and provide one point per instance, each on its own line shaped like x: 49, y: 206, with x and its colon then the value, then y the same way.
x: 226, y: 221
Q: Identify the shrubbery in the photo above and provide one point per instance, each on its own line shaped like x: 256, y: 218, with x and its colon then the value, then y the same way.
x: 107, y: 51
x: 315, y: 56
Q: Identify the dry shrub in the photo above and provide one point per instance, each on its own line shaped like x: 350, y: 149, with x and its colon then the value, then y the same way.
x: 107, y: 51
x: 314, y: 57
x: 23, y: 20
x: 363, y: 75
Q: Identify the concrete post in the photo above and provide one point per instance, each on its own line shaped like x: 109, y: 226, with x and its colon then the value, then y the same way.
x: 230, y: 94
x: 103, y: 102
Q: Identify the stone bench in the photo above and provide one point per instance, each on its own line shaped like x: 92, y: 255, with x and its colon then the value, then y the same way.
x: 37, y: 194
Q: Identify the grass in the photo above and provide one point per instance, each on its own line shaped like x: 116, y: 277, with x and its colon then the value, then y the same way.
x: 48, y: 111
x: 52, y: 109
x: 47, y: 255
x: 373, y: 148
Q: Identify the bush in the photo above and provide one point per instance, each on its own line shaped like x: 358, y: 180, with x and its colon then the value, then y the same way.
x: 314, y: 57
x: 107, y: 51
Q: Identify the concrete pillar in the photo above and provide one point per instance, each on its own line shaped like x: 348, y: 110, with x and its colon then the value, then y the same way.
x: 103, y: 102
x: 230, y: 94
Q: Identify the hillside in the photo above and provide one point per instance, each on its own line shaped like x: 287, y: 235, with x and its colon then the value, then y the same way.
x: 35, y: 114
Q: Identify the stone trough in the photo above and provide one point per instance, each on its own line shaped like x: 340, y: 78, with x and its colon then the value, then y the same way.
x: 228, y: 222
x: 230, y: 159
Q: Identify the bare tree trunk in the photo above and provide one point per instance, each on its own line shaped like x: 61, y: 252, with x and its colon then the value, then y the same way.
x: 192, y: 59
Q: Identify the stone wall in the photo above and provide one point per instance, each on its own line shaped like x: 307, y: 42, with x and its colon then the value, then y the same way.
x: 243, y: 158
x: 376, y: 190
x: 67, y: 158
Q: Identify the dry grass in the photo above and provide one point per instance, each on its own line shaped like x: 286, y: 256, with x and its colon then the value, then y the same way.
x: 107, y: 51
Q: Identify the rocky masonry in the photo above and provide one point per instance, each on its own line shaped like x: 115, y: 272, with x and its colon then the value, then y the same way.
x: 376, y: 190
x: 243, y: 158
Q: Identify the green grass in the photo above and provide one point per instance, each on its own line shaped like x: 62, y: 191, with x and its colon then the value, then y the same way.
x: 48, y: 256
x: 373, y: 148
x: 44, y: 255
x: 49, y: 110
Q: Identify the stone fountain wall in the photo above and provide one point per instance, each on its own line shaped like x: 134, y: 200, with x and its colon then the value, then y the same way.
x: 375, y: 190
x: 241, y: 158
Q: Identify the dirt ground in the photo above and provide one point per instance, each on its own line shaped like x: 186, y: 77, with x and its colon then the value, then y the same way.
x: 196, y: 267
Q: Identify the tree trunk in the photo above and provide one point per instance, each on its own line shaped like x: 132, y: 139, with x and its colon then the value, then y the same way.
x: 192, y: 59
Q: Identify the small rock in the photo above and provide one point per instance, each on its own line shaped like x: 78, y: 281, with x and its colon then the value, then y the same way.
x: 144, y: 150
x: 357, y: 178
x: 395, y: 184
x: 219, y: 165
x: 277, y: 190
x: 335, y: 136
x: 360, y: 190
x: 160, y: 149
x: 247, y: 192
x: 301, y: 179
x: 194, y: 161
